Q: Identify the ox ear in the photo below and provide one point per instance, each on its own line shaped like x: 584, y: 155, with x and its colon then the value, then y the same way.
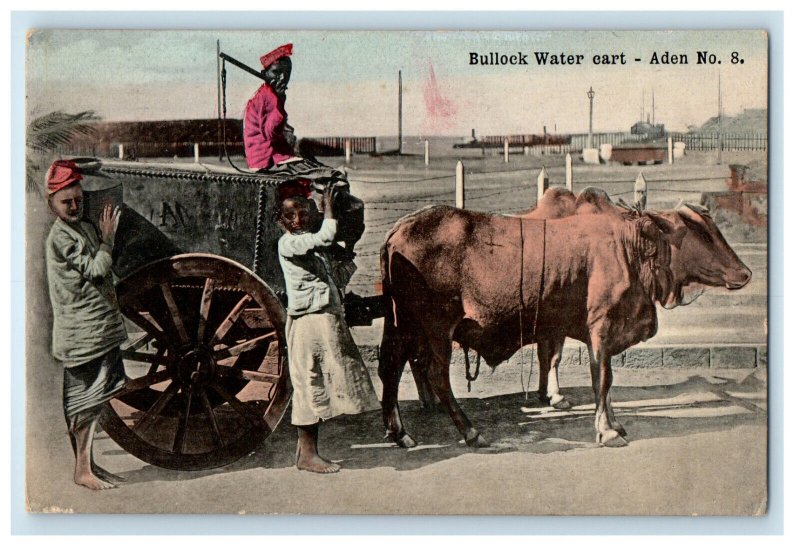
x: 673, y: 229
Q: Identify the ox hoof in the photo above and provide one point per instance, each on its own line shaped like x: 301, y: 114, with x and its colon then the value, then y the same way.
x: 402, y: 440
x: 611, y: 438
x: 559, y: 402
x: 474, y: 439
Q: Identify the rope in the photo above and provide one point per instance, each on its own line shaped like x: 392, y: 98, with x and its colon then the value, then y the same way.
x: 521, y: 304
x: 471, y: 377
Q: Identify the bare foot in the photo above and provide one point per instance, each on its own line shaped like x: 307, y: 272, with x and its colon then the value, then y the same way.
x: 105, y: 475
x: 315, y: 463
x: 91, y: 481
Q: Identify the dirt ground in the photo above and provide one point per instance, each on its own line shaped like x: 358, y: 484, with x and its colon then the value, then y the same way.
x: 698, y: 436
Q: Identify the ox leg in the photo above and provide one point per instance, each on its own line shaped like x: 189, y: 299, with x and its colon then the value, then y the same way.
x: 616, y: 425
x: 393, y: 355
x: 549, y: 352
x: 439, y: 374
x: 602, y: 377
x: 420, y: 363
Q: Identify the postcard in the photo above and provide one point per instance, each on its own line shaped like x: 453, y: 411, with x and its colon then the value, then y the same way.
x: 397, y: 272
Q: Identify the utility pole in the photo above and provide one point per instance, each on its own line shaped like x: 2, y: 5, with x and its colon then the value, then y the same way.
x: 719, y: 118
x: 590, y: 94
x: 400, y: 112
x: 219, y: 108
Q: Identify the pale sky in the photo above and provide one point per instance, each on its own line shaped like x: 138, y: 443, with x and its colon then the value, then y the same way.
x: 345, y: 83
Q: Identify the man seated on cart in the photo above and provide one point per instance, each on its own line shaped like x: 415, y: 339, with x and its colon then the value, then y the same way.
x: 269, y: 141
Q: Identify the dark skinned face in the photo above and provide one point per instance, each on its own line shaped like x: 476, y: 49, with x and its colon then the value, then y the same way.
x: 296, y: 215
x: 278, y: 74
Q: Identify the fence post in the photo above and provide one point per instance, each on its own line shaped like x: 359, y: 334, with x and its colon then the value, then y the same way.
x: 640, y: 191
x: 542, y: 183
x: 427, y: 153
x: 196, y: 152
x: 459, y: 185
x: 669, y: 150
x: 568, y: 160
x: 347, y: 151
x: 505, y: 150
x: 121, y: 151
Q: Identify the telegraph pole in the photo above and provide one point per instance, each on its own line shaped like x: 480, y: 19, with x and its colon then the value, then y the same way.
x: 219, y: 108
x: 590, y: 94
x: 399, y: 112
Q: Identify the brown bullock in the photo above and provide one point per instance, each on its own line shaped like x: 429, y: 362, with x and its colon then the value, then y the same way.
x: 483, y: 280
x: 702, y: 259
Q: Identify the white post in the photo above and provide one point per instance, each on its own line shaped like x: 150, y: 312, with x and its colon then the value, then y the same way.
x: 542, y: 183
x: 669, y: 150
x: 526, y: 150
x: 459, y: 185
x: 347, y: 151
x: 121, y: 152
x: 505, y: 151
x: 568, y: 160
x: 427, y: 153
x: 196, y: 152
x: 640, y: 191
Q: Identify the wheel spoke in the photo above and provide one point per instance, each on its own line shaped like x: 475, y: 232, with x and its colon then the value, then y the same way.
x: 183, y: 424
x: 169, y: 299
x: 230, y: 319
x: 248, y: 345
x: 150, y: 417
x: 146, y: 323
x: 240, y: 407
x: 141, y: 342
x: 212, y: 419
x: 145, y: 381
x: 154, y: 366
x: 150, y: 358
x: 205, y: 305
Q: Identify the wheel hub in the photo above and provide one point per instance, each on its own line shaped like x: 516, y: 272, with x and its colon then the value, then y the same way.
x: 195, y: 366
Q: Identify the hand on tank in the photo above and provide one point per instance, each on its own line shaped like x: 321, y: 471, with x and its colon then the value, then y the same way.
x: 109, y: 220
x: 327, y: 200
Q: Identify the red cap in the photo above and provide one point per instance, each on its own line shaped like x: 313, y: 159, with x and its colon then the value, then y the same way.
x: 282, y: 51
x: 293, y: 188
x: 61, y: 174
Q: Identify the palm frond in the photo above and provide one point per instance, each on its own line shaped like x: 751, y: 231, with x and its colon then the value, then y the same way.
x: 48, y: 132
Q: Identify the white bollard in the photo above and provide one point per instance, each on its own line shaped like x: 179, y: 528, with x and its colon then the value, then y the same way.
x: 669, y: 150
x: 459, y: 185
x: 542, y: 183
x: 347, y: 151
x: 196, y: 152
x: 121, y: 152
x: 505, y: 151
x: 427, y: 153
x: 640, y: 192
x: 568, y: 161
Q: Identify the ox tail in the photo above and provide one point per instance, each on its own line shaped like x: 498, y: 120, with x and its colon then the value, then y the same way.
x: 389, y: 304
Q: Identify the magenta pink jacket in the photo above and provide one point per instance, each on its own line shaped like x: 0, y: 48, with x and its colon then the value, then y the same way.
x: 264, y: 123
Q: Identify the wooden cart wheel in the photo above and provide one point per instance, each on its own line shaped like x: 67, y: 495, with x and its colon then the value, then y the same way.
x: 208, y: 379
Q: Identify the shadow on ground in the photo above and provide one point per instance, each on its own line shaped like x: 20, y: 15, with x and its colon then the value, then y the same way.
x: 511, y: 423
